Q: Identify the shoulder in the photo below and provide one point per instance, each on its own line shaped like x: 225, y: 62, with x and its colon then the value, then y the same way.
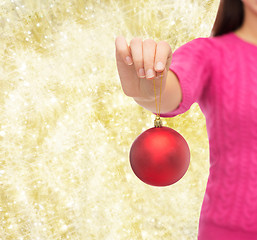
x: 208, y: 48
x: 221, y: 43
x: 198, y: 50
x: 201, y: 47
x: 210, y: 43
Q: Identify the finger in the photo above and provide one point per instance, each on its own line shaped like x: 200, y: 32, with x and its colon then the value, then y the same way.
x: 162, y: 75
x: 137, y: 56
x: 163, y: 57
x: 123, y: 50
x: 149, y: 47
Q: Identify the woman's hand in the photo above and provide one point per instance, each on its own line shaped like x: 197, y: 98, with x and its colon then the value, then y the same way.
x: 141, y: 62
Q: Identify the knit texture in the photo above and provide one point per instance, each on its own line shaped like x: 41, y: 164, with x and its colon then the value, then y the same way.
x: 220, y: 74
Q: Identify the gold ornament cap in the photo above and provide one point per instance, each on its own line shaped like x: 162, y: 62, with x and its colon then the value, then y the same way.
x: 157, y: 122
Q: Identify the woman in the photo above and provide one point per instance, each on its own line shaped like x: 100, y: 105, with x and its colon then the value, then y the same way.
x: 220, y: 74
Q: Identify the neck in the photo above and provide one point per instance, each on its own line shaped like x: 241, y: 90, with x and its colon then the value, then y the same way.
x: 248, y: 30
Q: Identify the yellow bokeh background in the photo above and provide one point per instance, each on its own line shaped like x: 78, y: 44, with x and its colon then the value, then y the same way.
x: 66, y: 127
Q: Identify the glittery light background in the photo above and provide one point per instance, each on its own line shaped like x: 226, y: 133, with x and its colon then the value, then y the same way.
x: 66, y: 126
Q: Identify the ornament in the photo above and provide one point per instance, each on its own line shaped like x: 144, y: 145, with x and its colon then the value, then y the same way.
x: 159, y: 156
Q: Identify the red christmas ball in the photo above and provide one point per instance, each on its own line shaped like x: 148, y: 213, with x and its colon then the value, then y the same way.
x: 159, y: 156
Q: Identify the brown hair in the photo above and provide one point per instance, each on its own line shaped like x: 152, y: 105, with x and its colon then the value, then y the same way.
x: 229, y: 17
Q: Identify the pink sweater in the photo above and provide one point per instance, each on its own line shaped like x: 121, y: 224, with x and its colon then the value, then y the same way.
x: 220, y: 74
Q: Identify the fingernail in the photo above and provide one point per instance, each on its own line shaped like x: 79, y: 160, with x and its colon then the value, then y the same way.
x: 141, y: 73
x: 129, y: 60
x: 159, y: 66
x: 149, y: 73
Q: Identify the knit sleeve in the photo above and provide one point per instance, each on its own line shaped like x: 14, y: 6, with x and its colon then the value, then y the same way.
x: 191, y: 64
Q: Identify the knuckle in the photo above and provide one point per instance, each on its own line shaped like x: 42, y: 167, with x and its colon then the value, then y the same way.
x: 118, y: 38
x: 163, y: 42
x: 165, y: 45
x: 135, y: 40
x: 149, y: 41
x: 119, y: 41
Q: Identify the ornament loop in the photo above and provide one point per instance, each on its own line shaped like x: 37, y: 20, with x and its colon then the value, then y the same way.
x: 158, y: 121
